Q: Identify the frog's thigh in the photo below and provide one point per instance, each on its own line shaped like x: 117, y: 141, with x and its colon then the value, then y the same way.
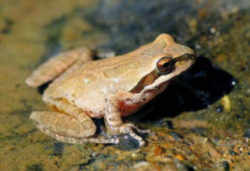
x: 58, y: 124
x: 57, y: 65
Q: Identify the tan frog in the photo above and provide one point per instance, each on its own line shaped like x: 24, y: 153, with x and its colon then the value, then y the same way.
x: 110, y: 88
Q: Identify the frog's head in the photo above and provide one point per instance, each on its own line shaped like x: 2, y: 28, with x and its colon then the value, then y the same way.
x: 172, y: 60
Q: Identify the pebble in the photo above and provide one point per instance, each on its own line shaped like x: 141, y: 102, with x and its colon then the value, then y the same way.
x: 219, y: 109
x: 176, y: 136
x: 127, y: 143
x: 182, y: 167
x: 213, y: 30
x: 226, y: 103
x: 141, y: 164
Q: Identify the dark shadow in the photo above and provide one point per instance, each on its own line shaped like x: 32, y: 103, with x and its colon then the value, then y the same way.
x: 200, y: 86
x: 43, y: 87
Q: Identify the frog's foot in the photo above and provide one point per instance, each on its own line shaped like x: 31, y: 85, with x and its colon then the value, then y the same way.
x: 142, y: 131
x: 131, y: 130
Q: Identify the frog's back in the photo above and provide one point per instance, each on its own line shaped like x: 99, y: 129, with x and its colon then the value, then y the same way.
x: 90, y: 83
x: 93, y: 76
x: 87, y: 85
x: 124, y: 70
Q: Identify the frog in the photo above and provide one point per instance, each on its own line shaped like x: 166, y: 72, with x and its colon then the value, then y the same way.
x: 83, y: 89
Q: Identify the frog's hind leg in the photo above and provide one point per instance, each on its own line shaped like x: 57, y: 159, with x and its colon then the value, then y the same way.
x: 68, y: 129
x: 57, y: 65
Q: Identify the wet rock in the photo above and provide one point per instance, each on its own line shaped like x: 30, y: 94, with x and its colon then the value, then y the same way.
x: 247, y: 133
x: 200, y: 131
x: 58, y: 149
x: 127, y: 143
x: 239, y: 117
x: 182, y: 167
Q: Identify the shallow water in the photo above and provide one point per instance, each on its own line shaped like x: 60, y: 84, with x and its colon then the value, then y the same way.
x: 208, y: 107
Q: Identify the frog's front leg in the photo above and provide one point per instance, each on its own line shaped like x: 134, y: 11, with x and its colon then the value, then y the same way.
x: 67, y: 128
x: 57, y: 65
x: 114, y: 123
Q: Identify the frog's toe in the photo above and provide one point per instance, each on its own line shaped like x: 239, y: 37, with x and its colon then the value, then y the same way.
x: 58, y: 125
x: 130, y: 129
x: 142, y: 131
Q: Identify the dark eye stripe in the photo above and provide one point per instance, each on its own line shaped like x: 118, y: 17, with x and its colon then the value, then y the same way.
x: 147, y: 80
x: 167, y: 64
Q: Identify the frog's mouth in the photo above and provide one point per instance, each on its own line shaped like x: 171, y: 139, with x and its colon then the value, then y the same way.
x: 167, y: 68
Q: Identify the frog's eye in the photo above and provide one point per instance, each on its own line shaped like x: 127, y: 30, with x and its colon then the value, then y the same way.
x: 165, y: 65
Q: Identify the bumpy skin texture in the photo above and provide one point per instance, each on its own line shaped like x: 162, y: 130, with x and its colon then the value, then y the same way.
x: 84, y: 89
